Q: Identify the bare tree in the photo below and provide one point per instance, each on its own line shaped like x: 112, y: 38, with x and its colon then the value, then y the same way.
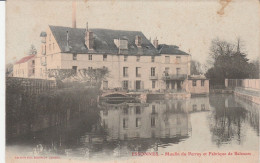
x: 32, y: 50
x: 195, y: 68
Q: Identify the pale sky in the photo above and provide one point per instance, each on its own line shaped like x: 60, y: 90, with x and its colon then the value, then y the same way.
x: 189, y: 24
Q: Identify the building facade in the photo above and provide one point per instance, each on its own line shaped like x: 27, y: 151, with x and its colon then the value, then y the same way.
x: 25, y: 67
x: 133, y: 62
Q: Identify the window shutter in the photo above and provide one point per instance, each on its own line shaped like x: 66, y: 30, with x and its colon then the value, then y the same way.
x: 134, y: 84
x: 122, y: 84
x: 142, y: 84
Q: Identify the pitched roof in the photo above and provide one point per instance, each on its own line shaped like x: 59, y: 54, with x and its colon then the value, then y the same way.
x: 170, y: 49
x: 103, y: 41
x: 25, y: 59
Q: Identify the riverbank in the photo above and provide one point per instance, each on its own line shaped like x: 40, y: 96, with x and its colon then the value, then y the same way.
x: 33, y: 112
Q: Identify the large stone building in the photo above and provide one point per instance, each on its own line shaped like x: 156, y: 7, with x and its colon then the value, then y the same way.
x: 134, y: 63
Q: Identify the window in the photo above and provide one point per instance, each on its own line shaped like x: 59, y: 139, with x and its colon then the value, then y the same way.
x: 105, y: 84
x: 194, y: 107
x: 125, y: 71
x: 137, y: 110
x: 33, y: 62
x: 178, y: 59
x: 90, y: 57
x: 202, y: 83
x: 137, y: 58
x: 138, y: 84
x: 153, y: 84
x: 50, y: 47
x: 167, y: 59
x: 138, y: 122
x: 33, y: 70
x: 153, y: 109
x: 104, y: 57
x: 125, y: 123
x: 137, y: 71
x: 152, y: 71
x: 152, y: 121
x: 125, y: 84
x: 178, y: 71
x: 125, y: 110
x: 74, y: 57
x: 203, y: 107
x: 167, y: 69
x: 74, y: 68
x: 152, y: 59
x: 194, y: 83
x: 90, y: 68
x: 125, y: 58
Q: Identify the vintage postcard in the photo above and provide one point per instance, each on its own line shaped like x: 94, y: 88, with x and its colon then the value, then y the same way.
x: 132, y: 81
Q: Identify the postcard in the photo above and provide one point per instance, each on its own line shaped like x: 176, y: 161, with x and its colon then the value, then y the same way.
x: 132, y: 81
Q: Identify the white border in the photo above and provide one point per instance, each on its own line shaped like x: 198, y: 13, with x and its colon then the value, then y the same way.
x: 2, y: 81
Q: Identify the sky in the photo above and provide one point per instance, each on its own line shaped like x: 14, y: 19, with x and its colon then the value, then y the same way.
x: 189, y: 24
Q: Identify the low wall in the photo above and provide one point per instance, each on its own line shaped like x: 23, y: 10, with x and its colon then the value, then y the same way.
x: 244, y: 83
x: 250, y: 95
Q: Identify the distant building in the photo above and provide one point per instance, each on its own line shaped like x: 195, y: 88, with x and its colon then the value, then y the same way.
x: 25, y: 67
x: 197, y: 85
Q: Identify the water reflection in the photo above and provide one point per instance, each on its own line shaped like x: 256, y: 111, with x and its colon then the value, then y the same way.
x: 228, y: 116
x: 116, y: 130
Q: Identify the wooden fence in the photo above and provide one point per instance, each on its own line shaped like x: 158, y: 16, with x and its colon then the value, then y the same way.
x: 29, y: 85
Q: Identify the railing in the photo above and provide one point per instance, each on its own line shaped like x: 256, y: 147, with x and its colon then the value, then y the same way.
x: 174, y: 76
x: 155, y: 77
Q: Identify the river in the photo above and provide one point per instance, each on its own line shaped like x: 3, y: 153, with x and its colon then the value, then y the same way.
x: 214, y: 123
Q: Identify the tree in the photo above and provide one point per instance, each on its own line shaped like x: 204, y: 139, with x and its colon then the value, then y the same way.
x: 32, y: 50
x: 82, y: 76
x: 94, y: 75
x: 195, y: 68
x: 60, y: 75
x: 254, y: 69
x: 229, y: 61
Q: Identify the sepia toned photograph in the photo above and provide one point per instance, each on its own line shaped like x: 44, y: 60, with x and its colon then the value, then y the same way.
x: 132, y: 81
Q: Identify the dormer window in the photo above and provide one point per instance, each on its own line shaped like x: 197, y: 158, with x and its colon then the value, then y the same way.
x: 138, y: 41
x: 121, y: 43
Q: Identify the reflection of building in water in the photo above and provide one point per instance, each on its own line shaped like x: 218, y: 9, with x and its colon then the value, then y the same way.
x: 158, y: 119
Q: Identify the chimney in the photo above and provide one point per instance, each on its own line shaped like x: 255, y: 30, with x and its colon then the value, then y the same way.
x: 67, y: 38
x: 138, y: 41
x: 74, y: 7
x: 155, y: 42
x: 89, y: 38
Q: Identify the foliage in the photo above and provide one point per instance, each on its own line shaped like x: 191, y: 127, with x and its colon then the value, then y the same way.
x: 254, y: 69
x: 32, y: 50
x: 228, y: 62
x: 195, y: 68
x: 82, y: 76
